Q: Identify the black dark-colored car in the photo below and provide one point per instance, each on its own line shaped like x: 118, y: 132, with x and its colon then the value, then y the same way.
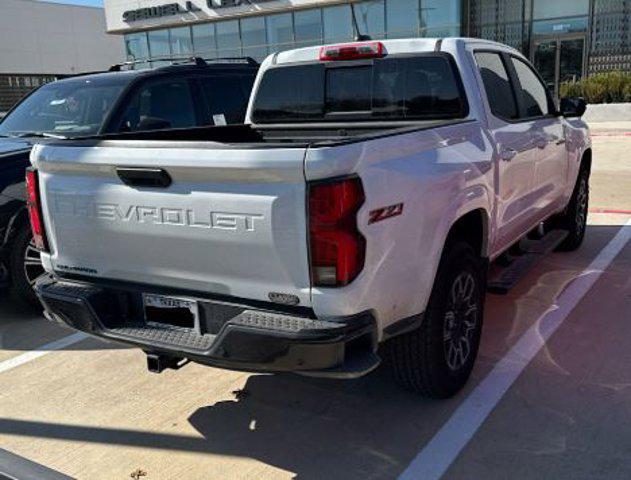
x: 175, y: 96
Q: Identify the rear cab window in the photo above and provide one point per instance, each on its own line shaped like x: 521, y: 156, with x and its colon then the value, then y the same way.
x: 397, y: 87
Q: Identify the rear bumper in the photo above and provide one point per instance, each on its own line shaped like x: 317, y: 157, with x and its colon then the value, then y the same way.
x: 230, y: 335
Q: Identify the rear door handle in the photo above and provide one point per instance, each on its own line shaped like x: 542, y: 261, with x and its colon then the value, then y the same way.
x: 144, y: 177
x: 507, y: 154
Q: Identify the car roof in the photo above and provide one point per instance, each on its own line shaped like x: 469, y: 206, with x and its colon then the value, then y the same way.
x: 180, y: 68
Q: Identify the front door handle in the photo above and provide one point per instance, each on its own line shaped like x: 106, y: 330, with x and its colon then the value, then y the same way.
x: 507, y: 154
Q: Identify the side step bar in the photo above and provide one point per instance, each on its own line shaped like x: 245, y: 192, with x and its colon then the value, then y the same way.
x: 533, y: 252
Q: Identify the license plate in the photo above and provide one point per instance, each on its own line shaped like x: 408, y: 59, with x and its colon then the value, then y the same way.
x: 174, y: 311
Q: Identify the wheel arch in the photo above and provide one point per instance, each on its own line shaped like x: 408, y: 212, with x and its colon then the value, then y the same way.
x: 471, y: 227
x: 17, y: 221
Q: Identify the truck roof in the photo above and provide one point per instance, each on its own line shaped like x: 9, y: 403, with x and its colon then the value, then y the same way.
x: 405, y: 45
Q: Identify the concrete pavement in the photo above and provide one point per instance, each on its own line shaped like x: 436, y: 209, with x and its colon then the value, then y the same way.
x: 91, y: 411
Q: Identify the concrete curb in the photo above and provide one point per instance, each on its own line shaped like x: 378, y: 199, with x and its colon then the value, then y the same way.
x: 608, y: 112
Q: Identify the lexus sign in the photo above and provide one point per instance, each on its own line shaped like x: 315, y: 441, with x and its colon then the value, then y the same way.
x: 170, y: 9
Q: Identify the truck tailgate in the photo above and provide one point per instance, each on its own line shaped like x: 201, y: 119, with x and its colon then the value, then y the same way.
x: 232, y: 222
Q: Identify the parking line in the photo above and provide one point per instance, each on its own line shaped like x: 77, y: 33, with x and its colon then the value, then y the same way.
x: 41, y: 351
x: 436, y: 457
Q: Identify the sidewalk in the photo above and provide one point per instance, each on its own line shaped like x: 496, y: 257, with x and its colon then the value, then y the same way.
x: 610, y: 128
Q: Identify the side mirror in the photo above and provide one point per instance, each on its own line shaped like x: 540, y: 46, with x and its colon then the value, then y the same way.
x: 152, y: 123
x: 572, y: 107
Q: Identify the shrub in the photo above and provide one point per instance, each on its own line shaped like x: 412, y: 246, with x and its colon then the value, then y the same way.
x: 607, y: 87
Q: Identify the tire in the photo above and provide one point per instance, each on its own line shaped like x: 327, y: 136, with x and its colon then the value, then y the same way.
x: 432, y: 360
x: 574, y: 219
x: 23, y: 267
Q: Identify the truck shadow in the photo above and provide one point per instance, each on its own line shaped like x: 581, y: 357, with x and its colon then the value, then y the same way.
x: 365, y: 428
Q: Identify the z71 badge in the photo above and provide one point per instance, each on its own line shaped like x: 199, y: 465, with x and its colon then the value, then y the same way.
x: 380, y: 214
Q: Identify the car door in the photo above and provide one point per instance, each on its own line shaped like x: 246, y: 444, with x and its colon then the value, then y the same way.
x: 515, y: 150
x: 537, y: 109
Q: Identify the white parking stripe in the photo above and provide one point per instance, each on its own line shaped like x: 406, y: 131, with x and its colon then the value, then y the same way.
x: 41, y: 351
x: 436, y: 457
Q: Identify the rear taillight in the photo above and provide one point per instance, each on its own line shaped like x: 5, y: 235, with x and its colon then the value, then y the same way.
x: 352, y: 51
x: 337, y: 247
x: 35, y: 209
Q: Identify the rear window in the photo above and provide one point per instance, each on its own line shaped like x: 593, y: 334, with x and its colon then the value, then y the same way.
x: 394, y: 88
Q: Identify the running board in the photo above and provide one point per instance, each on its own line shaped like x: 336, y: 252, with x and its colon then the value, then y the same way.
x: 533, y: 252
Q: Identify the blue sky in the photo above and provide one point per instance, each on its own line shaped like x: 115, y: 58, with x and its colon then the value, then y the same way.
x: 90, y: 3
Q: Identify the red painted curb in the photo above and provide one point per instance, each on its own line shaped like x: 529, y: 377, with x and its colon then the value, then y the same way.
x: 609, y: 210
x: 611, y: 134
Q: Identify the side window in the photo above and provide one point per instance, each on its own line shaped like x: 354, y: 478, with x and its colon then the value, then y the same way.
x: 497, y: 85
x: 158, y: 105
x: 227, y: 98
x: 533, y: 93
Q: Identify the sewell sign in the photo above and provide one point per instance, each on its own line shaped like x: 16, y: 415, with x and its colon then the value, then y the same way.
x: 170, y: 9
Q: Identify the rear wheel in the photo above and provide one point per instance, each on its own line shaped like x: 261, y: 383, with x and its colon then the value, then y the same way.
x: 574, y: 219
x: 25, y: 266
x: 436, y: 359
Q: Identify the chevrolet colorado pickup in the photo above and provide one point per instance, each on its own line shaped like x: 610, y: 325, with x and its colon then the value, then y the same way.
x: 353, y: 217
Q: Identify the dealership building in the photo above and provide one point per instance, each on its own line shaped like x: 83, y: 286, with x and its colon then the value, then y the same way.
x: 566, y: 39
x: 41, y: 41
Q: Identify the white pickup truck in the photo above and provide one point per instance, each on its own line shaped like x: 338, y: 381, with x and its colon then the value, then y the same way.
x: 353, y: 217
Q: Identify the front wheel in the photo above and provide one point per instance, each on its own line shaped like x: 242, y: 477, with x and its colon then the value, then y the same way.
x: 25, y: 266
x: 574, y: 219
x: 436, y: 359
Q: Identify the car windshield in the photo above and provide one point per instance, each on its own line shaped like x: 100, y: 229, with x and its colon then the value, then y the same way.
x: 67, y: 108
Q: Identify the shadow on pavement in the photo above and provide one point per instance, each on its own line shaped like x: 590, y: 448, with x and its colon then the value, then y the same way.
x: 23, y: 327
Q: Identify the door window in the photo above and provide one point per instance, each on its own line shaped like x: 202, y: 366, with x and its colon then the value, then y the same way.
x: 546, y: 61
x: 159, y: 105
x: 534, y: 96
x: 227, y: 98
x: 497, y: 85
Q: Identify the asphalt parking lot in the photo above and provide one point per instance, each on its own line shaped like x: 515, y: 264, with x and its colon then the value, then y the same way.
x: 550, y: 396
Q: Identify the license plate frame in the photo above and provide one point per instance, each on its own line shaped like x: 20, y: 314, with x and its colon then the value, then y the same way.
x: 168, y: 304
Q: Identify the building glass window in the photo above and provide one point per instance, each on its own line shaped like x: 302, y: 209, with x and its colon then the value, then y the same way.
x: 337, y: 24
x: 181, y: 42
x: 402, y: 18
x: 228, y: 42
x: 371, y: 18
x: 308, y: 27
x: 253, y: 37
x: 204, y: 40
x: 136, y: 46
x: 280, y: 33
x: 563, y: 25
x: 438, y: 13
x: 559, y: 8
x: 159, y: 43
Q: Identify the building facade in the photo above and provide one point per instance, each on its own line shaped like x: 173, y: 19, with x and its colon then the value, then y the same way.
x: 566, y: 39
x: 41, y: 41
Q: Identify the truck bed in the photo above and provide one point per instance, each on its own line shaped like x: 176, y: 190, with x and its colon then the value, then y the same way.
x: 300, y: 135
